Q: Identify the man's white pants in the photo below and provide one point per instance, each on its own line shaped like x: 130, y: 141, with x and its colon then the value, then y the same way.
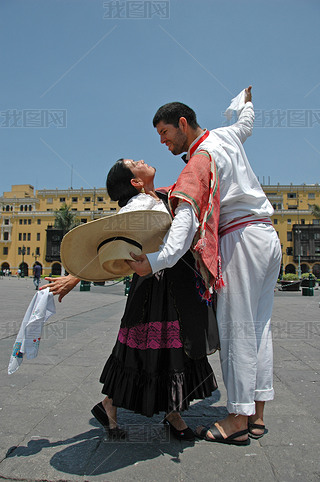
x: 250, y: 259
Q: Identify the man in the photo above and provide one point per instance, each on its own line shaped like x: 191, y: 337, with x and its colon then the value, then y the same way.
x: 250, y: 258
x: 36, y: 274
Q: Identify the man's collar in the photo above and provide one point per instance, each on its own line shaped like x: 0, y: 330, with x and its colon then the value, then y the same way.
x: 193, y: 146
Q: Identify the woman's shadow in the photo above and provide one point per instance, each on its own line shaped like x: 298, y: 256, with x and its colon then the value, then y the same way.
x: 92, y: 453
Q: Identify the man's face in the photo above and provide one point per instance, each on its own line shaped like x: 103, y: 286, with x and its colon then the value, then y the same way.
x: 173, y: 137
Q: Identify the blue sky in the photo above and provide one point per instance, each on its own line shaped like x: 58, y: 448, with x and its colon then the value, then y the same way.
x: 107, y: 77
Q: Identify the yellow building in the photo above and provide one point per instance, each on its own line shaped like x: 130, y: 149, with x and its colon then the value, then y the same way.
x: 297, y: 228
x: 27, y: 218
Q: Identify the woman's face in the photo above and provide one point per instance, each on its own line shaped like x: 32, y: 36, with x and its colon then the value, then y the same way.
x: 140, y: 170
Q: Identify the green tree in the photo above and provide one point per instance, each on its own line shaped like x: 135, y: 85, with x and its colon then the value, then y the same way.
x: 65, y: 219
x: 316, y: 211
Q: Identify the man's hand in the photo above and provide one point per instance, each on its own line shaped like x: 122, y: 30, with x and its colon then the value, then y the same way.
x: 247, y: 94
x: 141, y: 264
x: 61, y: 286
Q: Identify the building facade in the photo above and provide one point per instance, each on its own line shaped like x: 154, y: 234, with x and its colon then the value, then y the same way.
x: 27, y: 224
x: 28, y: 234
x: 297, y: 228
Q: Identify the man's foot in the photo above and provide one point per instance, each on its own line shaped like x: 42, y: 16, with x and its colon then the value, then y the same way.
x: 255, y: 422
x: 232, y: 429
x: 212, y: 434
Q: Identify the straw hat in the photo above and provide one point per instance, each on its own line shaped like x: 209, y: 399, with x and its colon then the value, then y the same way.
x: 96, y: 251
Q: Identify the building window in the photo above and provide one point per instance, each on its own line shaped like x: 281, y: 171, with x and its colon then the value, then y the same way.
x: 25, y: 221
x: 279, y: 206
x: 30, y: 207
x: 292, y: 195
x: 20, y: 236
x: 316, y: 221
x: 113, y: 209
x: 39, y: 221
x: 303, y: 221
x: 20, y: 221
x: 100, y: 199
x: 29, y: 221
x: 87, y: 209
x: 289, y: 251
x: 275, y: 221
x: 49, y: 209
x: 28, y: 251
x: 274, y: 206
x: 29, y: 236
x: 293, y: 207
x: 38, y: 251
x: 289, y: 221
x: 74, y: 199
x: 289, y: 235
x: 6, y: 221
x: 100, y: 209
x: 5, y: 250
x: 83, y: 220
x: 38, y: 236
x: 6, y: 236
x: 24, y: 236
x: 74, y: 209
x: 311, y: 195
x: 87, y: 199
x: 62, y: 199
x: 21, y: 207
x: 19, y: 250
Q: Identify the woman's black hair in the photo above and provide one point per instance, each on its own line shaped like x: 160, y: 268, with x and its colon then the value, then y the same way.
x: 118, y: 183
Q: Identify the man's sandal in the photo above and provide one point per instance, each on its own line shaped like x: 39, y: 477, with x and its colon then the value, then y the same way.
x: 220, y: 439
x: 258, y: 426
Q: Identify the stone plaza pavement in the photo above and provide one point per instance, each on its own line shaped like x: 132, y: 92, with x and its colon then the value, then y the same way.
x: 47, y: 431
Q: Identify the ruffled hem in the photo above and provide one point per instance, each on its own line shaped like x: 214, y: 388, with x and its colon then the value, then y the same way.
x: 149, y: 394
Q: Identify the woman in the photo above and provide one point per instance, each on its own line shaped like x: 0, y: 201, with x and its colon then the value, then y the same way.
x: 159, y: 361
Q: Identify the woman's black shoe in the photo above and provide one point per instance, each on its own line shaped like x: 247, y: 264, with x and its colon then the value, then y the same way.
x: 185, y: 434
x: 100, y: 414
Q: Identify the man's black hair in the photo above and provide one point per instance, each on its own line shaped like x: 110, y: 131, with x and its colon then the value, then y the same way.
x: 118, y: 183
x: 171, y: 113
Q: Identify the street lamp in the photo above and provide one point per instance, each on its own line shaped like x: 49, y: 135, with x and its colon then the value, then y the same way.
x: 299, y: 249
x: 23, y: 252
x: 35, y: 256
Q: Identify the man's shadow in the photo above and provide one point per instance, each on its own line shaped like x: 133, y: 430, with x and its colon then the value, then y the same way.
x: 92, y: 453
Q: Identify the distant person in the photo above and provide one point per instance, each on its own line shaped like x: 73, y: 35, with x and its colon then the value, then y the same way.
x: 36, y: 274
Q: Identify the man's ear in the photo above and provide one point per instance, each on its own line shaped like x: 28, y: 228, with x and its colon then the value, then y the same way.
x: 183, y: 124
x: 137, y: 183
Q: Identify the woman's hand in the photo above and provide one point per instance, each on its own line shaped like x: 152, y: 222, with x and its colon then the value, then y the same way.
x: 61, y: 286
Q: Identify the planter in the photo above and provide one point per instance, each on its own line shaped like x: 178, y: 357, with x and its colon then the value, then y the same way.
x: 305, y: 283
x: 286, y: 285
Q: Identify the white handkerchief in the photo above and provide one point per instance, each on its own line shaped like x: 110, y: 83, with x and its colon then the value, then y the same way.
x: 237, y: 104
x: 28, y: 339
